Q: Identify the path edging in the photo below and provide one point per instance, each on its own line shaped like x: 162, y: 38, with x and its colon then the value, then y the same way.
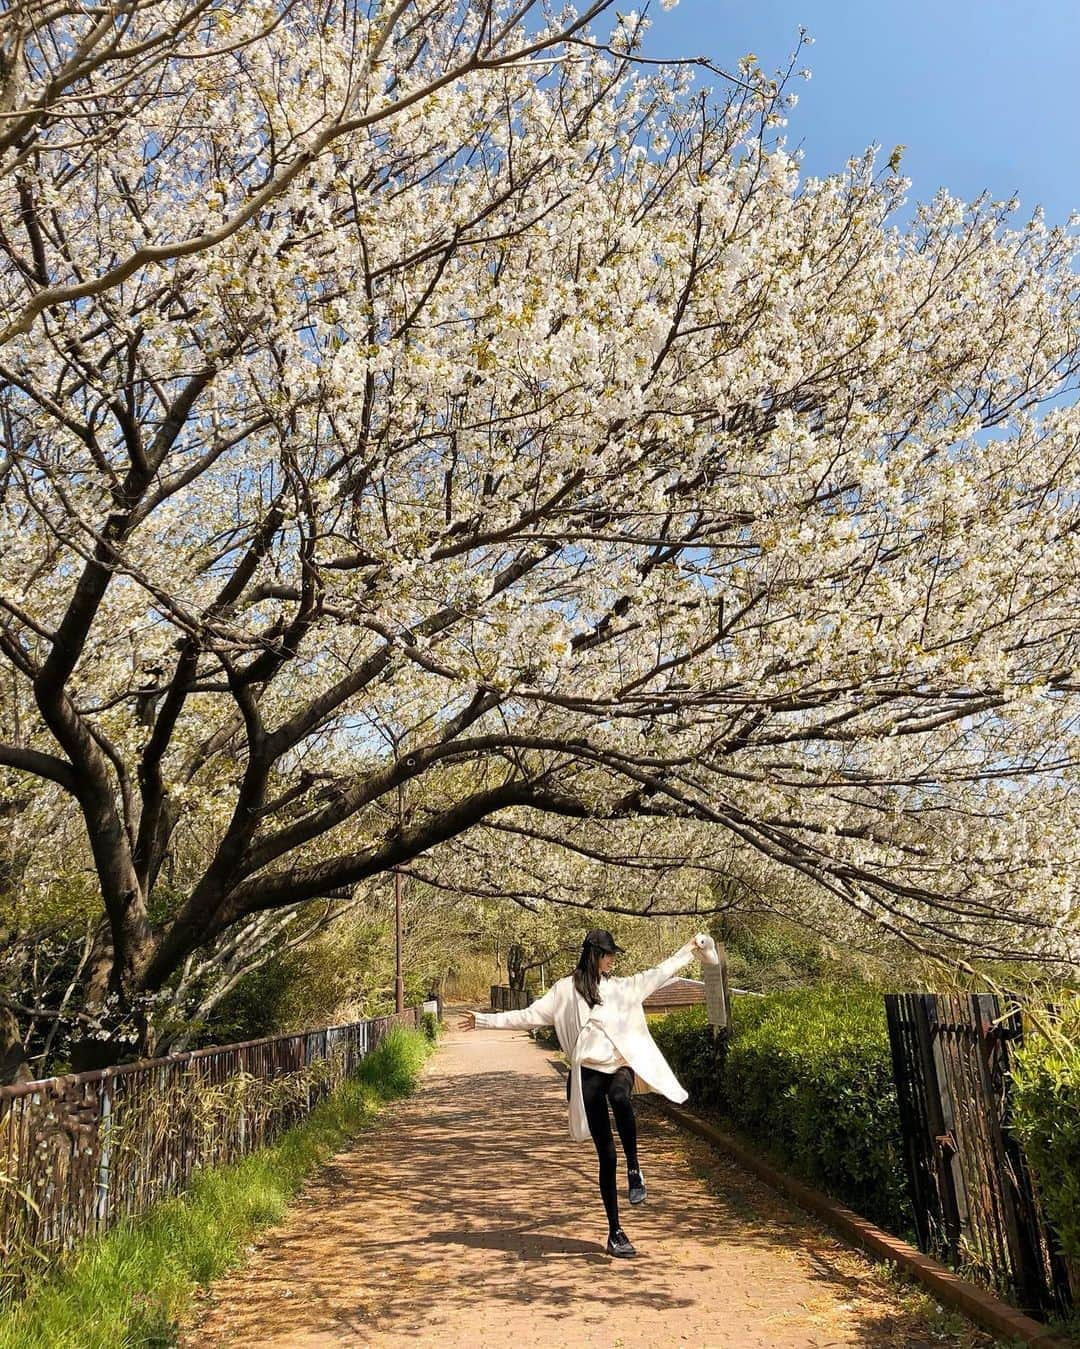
x: 977, y: 1303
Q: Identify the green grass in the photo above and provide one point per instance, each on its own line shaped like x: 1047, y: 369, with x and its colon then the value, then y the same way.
x: 131, y: 1287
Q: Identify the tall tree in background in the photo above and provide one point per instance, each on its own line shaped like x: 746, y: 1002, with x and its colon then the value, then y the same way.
x: 420, y: 423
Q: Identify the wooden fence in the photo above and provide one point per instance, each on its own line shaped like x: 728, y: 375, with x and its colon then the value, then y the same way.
x: 506, y: 999
x: 81, y: 1152
x: 974, y: 1198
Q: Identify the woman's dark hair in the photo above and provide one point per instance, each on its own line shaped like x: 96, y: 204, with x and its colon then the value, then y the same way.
x: 587, y: 974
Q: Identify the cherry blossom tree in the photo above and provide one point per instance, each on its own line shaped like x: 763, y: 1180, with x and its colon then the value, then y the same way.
x: 434, y: 439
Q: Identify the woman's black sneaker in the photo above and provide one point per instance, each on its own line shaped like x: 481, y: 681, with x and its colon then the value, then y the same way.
x: 638, y: 1191
x: 618, y: 1243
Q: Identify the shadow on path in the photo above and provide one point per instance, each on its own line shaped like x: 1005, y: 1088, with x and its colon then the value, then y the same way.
x: 468, y: 1218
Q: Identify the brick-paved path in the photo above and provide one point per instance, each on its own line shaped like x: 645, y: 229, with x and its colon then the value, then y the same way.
x: 467, y: 1218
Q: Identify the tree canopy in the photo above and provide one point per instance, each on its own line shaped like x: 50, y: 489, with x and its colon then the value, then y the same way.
x: 432, y: 438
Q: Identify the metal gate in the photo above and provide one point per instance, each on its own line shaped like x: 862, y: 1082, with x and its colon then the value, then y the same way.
x: 973, y: 1196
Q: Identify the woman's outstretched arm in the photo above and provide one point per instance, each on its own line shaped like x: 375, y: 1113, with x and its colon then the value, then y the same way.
x: 539, y: 1013
x: 648, y: 981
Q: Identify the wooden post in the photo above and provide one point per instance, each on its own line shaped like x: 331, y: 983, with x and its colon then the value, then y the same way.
x: 990, y: 1052
x: 911, y: 1097
x: 949, y: 1177
x: 717, y: 998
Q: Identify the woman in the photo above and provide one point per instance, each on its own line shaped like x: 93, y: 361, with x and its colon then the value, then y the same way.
x: 601, y: 1026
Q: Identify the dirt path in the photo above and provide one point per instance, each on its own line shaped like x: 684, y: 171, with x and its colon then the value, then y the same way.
x: 467, y: 1218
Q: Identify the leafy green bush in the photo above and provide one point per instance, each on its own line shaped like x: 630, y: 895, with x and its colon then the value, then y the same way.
x: 394, y: 1067
x: 429, y: 1024
x: 329, y: 978
x: 770, y: 954
x: 1046, y: 1118
x: 697, y: 1059
x: 808, y: 1073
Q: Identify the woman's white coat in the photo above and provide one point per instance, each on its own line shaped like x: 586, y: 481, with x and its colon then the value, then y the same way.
x: 622, y: 1018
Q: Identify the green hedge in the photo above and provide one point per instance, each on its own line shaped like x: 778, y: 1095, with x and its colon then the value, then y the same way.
x: 807, y: 1074
x: 1046, y: 1118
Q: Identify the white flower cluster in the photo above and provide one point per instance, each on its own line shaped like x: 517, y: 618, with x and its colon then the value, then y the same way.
x: 657, y: 478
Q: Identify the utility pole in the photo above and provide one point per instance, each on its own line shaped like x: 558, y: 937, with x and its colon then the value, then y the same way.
x: 399, y: 982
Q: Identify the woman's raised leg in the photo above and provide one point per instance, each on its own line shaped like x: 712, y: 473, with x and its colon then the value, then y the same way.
x: 620, y: 1094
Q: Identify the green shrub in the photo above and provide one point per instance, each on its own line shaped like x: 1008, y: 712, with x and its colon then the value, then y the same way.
x: 128, y: 1289
x: 696, y: 1058
x: 309, y: 985
x: 394, y: 1067
x: 429, y: 1024
x: 769, y: 953
x: 808, y: 1073
x: 1046, y: 1118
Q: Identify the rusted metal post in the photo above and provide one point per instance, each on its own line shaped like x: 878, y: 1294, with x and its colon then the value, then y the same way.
x: 399, y: 981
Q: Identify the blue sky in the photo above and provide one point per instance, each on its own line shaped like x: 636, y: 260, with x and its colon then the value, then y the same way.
x: 982, y: 92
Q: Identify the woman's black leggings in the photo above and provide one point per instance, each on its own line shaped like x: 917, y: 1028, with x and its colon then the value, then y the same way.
x: 598, y: 1090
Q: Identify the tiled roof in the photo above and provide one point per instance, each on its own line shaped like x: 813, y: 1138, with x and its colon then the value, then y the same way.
x: 676, y: 993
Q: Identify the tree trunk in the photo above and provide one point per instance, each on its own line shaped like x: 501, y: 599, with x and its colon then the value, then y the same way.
x: 13, y: 1065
